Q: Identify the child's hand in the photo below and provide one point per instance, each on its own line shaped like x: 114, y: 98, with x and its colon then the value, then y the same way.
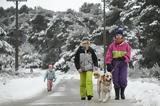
x: 95, y: 69
x: 54, y: 80
x: 79, y: 70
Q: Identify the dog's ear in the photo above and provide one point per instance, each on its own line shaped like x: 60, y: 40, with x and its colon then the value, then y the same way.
x: 96, y: 75
x: 102, y: 77
x: 110, y: 73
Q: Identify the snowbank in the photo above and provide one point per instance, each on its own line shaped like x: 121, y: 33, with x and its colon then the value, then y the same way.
x: 23, y: 88
x: 145, y: 91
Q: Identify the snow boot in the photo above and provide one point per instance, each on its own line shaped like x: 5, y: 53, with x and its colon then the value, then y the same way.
x: 89, y: 97
x: 116, y: 93
x: 83, y: 98
x: 122, y: 93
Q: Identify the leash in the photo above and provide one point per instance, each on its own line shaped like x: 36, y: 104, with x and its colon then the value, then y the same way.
x: 112, y: 69
x: 116, y: 64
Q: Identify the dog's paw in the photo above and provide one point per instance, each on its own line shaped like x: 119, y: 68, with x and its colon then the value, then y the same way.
x: 104, y: 100
x: 100, y: 100
x: 109, y: 97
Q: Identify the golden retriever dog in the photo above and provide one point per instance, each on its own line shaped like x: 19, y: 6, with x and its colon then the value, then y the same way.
x: 104, y: 85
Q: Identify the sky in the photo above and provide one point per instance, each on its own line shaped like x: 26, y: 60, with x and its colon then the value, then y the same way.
x: 55, y: 5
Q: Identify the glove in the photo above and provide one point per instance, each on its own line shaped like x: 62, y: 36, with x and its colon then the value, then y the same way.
x: 79, y: 70
x: 109, y: 67
x: 54, y: 79
x: 121, y: 58
x: 95, y: 69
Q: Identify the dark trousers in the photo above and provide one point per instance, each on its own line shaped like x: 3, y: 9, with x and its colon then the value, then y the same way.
x: 119, y: 73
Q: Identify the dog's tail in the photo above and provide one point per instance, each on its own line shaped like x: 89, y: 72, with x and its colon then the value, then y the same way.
x: 96, y: 74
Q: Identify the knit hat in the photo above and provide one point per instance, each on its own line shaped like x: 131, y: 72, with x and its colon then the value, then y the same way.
x: 50, y: 66
x: 119, y: 31
x: 85, y: 38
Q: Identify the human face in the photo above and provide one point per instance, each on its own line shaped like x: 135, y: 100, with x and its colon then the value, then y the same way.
x: 50, y: 67
x: 85, y: 43
x: 119, y: 36
x: 119, y: 39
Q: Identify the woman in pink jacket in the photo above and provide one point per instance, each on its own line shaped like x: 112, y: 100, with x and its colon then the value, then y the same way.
x: 117, y: 59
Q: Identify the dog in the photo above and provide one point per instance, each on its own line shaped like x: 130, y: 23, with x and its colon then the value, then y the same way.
x: 104, y: 85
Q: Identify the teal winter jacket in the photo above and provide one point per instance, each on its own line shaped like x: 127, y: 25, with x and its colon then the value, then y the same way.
x: 50, y: 75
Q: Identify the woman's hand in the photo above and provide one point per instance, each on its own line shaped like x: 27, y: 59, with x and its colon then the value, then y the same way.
x: 121, y: 58
x: 109, y: 67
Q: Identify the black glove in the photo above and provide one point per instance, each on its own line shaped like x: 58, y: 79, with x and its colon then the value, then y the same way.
x: 121, y: 58
x: 109, y: 67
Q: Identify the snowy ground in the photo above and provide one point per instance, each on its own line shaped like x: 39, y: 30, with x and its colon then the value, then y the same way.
x: 17, y: 88
x: 145, y: 91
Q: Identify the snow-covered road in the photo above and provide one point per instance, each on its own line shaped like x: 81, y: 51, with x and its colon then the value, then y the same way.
x: 145, y: 92
x: 66, y: 93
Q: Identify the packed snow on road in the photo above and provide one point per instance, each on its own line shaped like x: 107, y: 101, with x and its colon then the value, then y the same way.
x: 145, y: 91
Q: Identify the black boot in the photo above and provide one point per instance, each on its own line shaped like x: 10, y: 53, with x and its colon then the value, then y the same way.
x: 83, y: 98
x: 89, y: 97
x: 116, y: 93
x: 122, y: 93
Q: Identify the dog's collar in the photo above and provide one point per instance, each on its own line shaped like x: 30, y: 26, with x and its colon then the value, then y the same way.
x: 105, y: 83
x: 108, y: 83
x: 108, y: 80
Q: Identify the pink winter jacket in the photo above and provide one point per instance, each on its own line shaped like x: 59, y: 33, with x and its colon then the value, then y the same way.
x: 118, y: 50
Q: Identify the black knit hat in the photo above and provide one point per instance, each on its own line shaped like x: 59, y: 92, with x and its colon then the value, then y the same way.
x: 85, y: 38
x: 119, y: 31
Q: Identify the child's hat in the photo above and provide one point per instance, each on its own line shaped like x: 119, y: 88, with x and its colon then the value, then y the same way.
x: 85, y: 38
x: 50, y: 66
x: 119, y: 31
